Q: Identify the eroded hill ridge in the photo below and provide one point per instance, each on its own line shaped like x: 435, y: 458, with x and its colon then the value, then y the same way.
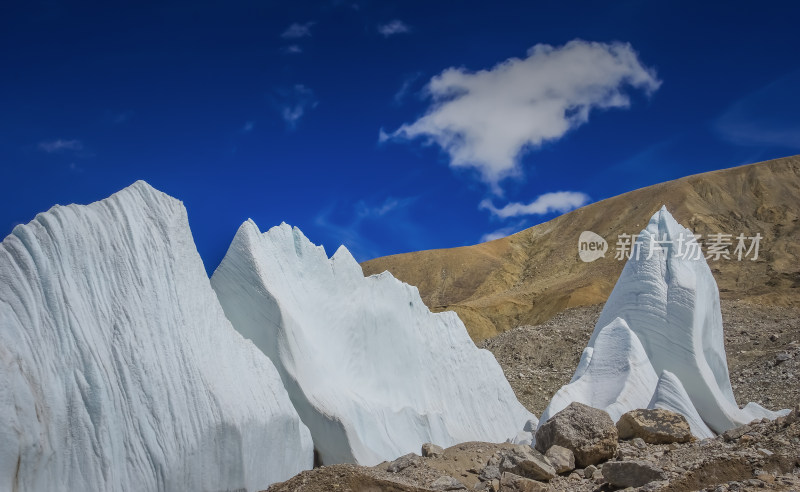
x: 527, y: 278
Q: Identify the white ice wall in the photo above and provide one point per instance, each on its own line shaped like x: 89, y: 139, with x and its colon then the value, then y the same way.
x: 118, y: 368
x: 372, y: 372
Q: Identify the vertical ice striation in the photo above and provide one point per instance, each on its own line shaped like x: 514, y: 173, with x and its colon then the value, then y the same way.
x: 670, y: 395
x: 118, y: 368
x: 371, y: 371
x: 615, y: 375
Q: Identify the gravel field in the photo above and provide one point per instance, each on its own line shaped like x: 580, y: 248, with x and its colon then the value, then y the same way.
x: 762, y: 344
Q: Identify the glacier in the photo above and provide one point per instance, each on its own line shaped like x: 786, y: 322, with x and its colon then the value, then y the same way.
x: 372, y: 372
x: 118, y: 368
x: 666, y: 299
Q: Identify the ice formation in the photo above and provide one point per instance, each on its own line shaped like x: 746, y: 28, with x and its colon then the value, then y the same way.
x: 668, y: 299
x: 118, y: 368
x: 372, y: 372
x: 670, y: 395
x: 615, y: 375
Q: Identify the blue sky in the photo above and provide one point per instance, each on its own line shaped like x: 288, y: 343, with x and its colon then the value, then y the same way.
x: 384, y: 125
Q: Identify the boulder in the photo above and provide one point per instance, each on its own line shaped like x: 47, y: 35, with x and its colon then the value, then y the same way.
x: 634, y: 473
x: 588, y: 432
x: 403, y: 462
x: 562, y: 459
x: 430, y: 450
x: 489, y: 473
x: 515, y: 483
x: 527, y: 462
x: 446, y: 482
x: 655, y: 426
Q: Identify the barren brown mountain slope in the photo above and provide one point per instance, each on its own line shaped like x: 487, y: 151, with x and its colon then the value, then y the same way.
x: 527, y: 278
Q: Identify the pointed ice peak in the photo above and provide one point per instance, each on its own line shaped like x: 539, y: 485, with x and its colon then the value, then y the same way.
x: 143, y: 190
x: 665, y: 237
x: 670, y: 302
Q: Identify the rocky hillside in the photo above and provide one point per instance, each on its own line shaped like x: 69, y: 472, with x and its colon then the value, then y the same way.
x: 529, y: 277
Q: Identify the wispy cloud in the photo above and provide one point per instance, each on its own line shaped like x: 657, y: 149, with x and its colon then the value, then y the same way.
x: 248, y: 126
x: 365, y: 211
x: 393, y: 27
x: 486, y: 119
x: 405, y: 88
x: 295, y: 103
x: 60, y: 145
x: 559, y: 201
x: 120, y: 118
x: 292, y: 49
x: 499, y: 233
x: 297, y: 31
x: 766, y: 117
x: 349, y: 224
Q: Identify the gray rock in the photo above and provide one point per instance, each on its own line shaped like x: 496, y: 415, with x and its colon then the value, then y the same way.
x: 639, y: 443
x: 527, y: 462
x: 588, y: 432
x: 562, y: 459
x: 430, y: 450
x: 530, y: 426
x: 635, y: 473
x: 489, y: 473
x: 403, y: 462
x: 589, y: 471
x: 447, y: 483
x: 515, y: 483
x: 655, y: 485
x: 794, y: 415
x: 598, y: 477
x: 736, y: 432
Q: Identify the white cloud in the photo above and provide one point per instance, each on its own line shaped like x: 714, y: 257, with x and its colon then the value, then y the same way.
x: 559, y: 201
x: 292, y: 49
x: 297, y: 31
x: 487, y: 118
x: 499, y: 233
x: 248, y: 126
x: 295, y: 103
x: 60, y: 145
x: 393, y: 27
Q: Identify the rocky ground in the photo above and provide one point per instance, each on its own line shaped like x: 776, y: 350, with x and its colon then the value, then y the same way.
x: 760, y: 456
x: 762, y: 344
